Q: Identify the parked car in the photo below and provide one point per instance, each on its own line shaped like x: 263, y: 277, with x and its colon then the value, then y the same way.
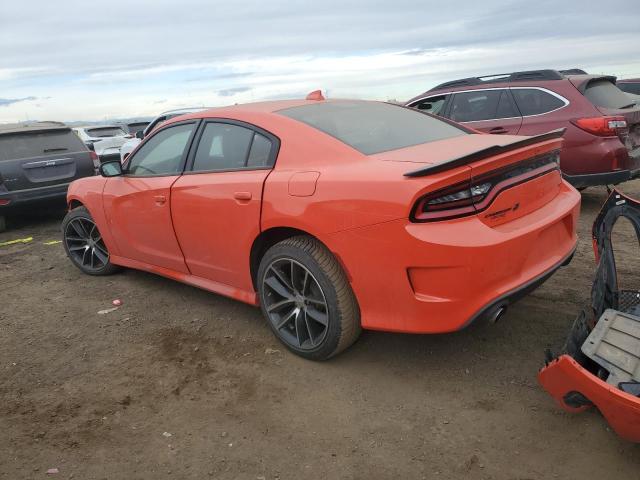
x: 602, y: 138
x: 333, y: 216
x: 37, y: 162
x: 105, y: 140
x: 629, y: 85
x: 130, y: 145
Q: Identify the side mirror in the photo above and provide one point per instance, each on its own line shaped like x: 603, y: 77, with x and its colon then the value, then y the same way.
x: 91, y: 146
x: 111, y: 169
x: 140, y: 134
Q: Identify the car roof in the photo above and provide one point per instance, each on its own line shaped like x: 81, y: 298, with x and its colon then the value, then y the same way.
x: 270, y: 106
x: 533, y: 78
x: 8, y: 128
x: 184, y: 110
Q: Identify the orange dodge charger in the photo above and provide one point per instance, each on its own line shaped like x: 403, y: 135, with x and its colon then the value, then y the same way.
x: 333, y: 216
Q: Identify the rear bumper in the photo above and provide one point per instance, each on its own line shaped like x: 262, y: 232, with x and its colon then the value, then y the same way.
x: 439, y: 277
x: 500, y: 303
x: 606, y: 178
x: 575, y: 389
x: 18, y: 198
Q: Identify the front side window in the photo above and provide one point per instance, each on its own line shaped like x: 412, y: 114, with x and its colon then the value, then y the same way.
x: 224, y: 146
x: 476, y: 106
x: 373, y: 127
x: 162, y: 154
x: 432, y: 105
x: 532, y: 101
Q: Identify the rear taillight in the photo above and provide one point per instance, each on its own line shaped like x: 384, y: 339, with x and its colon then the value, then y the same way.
x: 94, y: 157
x: 469, y: 198
x: 602, y: 126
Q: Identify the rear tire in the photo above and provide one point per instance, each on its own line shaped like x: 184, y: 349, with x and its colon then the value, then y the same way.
x: 84, y: 245
x: 3, y: 223
x: 307, y: 300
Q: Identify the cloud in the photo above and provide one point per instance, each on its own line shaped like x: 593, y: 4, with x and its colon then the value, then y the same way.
x: 230, y: 92
x: 5, y: 102
x: 95, y: 67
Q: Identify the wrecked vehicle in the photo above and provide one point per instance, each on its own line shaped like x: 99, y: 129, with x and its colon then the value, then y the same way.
x: 600, y: 362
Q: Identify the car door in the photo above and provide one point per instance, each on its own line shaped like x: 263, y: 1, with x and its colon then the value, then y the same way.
x: 138, y: 203
x: 489, y: 110
x: 216, y: 204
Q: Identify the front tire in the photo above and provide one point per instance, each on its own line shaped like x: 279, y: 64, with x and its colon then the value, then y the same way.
x: 84, y: 245
x: 307, y: 300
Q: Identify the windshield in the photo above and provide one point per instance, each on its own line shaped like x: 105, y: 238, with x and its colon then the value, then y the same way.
x: 373, y: 127
x: 603, y: 93
x: 106, y: 132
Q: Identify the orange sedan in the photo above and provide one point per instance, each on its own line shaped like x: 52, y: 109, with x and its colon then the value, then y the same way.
x: 333, y: 216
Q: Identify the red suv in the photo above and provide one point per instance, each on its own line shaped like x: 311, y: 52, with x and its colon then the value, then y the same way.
x: 602, y: 137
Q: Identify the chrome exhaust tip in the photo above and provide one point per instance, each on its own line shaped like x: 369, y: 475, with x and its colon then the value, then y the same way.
x: 497, y: 314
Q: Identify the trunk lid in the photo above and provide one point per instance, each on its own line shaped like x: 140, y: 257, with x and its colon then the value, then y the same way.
x: 514, y: 175
x: 40, y: 158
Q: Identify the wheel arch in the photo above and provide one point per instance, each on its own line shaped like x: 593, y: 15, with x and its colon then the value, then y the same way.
x: 269, y: 237
x: 74, y: 203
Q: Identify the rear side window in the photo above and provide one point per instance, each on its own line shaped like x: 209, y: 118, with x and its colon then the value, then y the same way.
x: 224, y: 146
x: 105, y: 132
x: 603, y: 93
x: 630, y: 87
x: 260, y: 153
x: 37, y: 144
x: 532, y: 101
x: 373, y: 127
x: 432, y: 105
x: 482, y: 105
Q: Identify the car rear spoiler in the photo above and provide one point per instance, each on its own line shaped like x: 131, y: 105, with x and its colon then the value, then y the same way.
x: 485, y: 153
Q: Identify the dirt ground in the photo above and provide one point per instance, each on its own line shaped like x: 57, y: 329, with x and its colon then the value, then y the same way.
x: 181, y: 383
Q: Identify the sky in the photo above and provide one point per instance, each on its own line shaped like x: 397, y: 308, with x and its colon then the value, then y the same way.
x: 73, y: 60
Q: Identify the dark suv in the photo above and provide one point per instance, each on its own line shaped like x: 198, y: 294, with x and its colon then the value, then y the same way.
x: 37, y: 163
x: 602, y: 138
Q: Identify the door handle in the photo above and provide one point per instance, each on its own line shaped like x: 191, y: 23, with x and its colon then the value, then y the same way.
x: 160, y: 199
x: 498, y: 130
x: 242, y: 196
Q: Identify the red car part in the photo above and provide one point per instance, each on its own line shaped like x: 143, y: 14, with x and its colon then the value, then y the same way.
x: 573, y: 379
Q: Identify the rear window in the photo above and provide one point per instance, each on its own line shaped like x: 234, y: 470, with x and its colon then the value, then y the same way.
x: 105, y: 132
x: 630, y: 87
x: 603, y: 93
x: 16, y: 146
x: 136, y: 127
x: 373, y: 127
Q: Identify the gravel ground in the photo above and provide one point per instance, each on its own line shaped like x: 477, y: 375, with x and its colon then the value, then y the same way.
x: 181, y: 383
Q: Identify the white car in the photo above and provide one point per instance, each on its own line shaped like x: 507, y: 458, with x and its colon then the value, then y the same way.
x: 130, y: 145
x: 105, y: 140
